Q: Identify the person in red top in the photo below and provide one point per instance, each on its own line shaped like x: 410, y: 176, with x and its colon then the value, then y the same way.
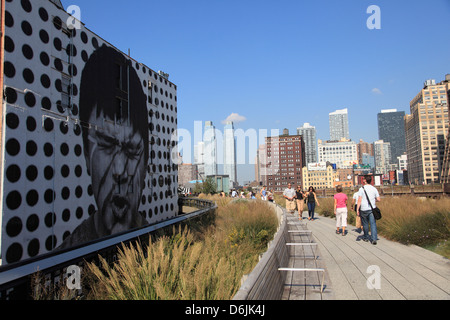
x: 340, y: 210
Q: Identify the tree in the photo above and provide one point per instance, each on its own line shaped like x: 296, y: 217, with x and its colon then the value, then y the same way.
x: 198, y: 188
x: 209, y: 186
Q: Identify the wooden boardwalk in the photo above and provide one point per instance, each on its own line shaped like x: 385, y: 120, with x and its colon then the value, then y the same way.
x: 352, y: 265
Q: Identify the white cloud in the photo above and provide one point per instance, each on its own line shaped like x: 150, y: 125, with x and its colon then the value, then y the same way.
x: 376, y: 91
x: 235, y: 117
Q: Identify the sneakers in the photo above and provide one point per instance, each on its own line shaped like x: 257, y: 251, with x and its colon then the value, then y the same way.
x: 374, y: 242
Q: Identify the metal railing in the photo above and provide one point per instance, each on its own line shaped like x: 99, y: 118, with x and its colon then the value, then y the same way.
x: 15, y: 279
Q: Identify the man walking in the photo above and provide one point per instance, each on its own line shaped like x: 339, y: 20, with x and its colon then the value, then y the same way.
x: 364, y: 210
x: 289, y: 194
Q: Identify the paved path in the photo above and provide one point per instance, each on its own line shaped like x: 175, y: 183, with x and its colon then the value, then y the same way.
x: 406, y: 272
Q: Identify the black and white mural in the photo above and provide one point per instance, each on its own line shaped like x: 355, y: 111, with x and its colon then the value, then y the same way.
x: 87, y: 136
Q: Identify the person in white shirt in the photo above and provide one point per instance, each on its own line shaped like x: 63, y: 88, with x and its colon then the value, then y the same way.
x: 289, y: 194
x: 364, y: 209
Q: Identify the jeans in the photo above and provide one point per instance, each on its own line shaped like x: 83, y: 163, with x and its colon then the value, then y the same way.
x: 311, y: 207
x: 366, y: 218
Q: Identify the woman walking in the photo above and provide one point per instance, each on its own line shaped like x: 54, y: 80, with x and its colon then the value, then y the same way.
x: 340, y: 210
x: 312, y: 200
x: 300, y: 201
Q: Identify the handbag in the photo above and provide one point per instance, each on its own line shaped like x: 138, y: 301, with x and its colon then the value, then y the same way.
x: 376, y: 211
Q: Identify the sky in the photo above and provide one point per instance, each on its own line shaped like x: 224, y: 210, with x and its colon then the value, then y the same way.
x: 278, y: 64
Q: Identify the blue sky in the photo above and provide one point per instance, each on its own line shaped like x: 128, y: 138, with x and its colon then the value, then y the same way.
x: 282, y: 63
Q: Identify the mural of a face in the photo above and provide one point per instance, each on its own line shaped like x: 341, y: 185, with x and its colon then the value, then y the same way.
x: 113, y: 114
x: 116, y: 163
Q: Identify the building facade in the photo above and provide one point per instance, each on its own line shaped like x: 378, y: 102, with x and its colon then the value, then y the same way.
x: 445, y: 172
x: 187, y: 172
x: 210, y: 149
x: 382, y: 156
x: 229, y: 153
x: 284, y: 160
x: 364, y: 148
x: 342, y: 153
x: 339, y: 125
x: 319, y: 175
x: 426, y: 129
x: 310, y: 137
x: 391, y: 128
x: 87, y: 134
x: 260, y: 161
x: 199, y: 150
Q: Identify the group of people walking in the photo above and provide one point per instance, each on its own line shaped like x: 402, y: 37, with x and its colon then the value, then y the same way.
x: 363, y: 202
x: 295, y: 199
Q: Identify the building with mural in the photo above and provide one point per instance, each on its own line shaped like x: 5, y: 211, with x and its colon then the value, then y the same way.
x: 87, y: 134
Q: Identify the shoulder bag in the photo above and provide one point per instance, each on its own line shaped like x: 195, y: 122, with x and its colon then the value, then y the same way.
x: 376, y: 211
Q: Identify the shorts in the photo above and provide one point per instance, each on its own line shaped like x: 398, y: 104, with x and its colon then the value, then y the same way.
x: 341, y: 217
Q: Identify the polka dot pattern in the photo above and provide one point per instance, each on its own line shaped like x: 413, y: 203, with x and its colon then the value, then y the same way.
x: 47, y: 187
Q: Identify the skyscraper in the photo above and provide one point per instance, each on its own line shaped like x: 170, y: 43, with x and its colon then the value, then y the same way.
x: 391, y: 128
x: 229, y: 153
x: 426, y: 128
x: 445, y: 172
x: 310, y: 137
x: 339, y: 125
x: 382, y: 156
x: 210, y: 149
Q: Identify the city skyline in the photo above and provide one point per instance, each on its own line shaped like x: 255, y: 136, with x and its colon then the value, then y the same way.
x: 274, y: 67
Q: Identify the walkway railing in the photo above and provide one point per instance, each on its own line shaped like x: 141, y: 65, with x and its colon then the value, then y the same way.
x: 15, y: 279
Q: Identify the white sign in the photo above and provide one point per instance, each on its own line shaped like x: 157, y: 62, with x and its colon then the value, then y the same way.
x: 319, y: 166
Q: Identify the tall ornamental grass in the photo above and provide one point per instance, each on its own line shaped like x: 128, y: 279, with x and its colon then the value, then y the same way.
x: 204, y: 263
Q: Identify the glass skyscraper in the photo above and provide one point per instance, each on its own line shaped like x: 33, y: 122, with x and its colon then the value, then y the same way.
x: 391, y: 128
x: 210, y: 149
x: 229, y: 153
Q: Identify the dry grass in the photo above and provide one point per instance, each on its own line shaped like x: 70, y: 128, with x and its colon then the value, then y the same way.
x: 412, y: 220
x: 206, y: 266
